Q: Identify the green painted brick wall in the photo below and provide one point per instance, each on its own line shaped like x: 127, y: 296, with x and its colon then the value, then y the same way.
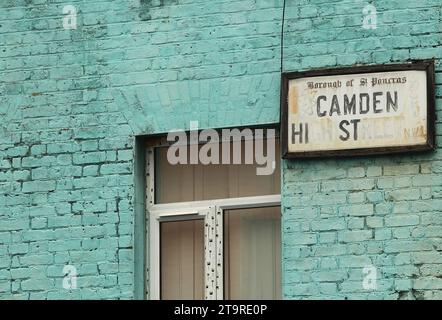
x: 384, y: 212
x: 72, y: 102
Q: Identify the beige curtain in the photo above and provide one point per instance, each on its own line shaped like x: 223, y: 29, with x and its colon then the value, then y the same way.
x: 182, y: 260
x: 177, y: 183
x: 252, y: 254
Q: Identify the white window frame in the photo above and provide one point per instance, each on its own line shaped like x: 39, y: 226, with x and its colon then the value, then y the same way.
x: 212, y: 211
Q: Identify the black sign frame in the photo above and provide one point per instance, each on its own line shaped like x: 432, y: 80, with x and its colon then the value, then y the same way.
x: 419, y: 65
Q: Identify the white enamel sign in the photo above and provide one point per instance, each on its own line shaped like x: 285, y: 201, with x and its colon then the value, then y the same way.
x: 360, y: 112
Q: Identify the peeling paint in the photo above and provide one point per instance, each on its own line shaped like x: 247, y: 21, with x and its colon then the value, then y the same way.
x: 293, y: 100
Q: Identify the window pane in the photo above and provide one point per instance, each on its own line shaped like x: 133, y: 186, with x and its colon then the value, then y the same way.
x: 186, y: 182
x: 182, y: 260
x: 252, y: 253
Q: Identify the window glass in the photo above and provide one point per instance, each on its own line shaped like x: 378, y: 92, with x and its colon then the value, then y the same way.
x: 193, y: 182
x: 252, y: 253
x: 182, y: 260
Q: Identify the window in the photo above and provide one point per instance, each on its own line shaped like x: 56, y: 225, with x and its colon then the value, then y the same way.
x: 215, y: 229
x: 182, y: 259
x: 252, y: 253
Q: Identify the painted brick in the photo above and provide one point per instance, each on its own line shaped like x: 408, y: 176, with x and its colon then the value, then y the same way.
x: 5, y: 237
x: 373, y: 171
x: 407, y: 246
x: 90, y: 170
x: 355, y: 236
x: 356, y: 248
x: 355, y: 223
x: 302, y: 238
x: 401, y: 220
x: 354, y: 261
x: 37, y: 284
x: 88, y: 158
x: 38, y: 186
x: 356, y: 172
x: 405, y: 194
x: 66, y: 145
x: 328, y: 224
x: 36, y: 259
x: 375, y: 196
x: 125, y: 155
x: 115, y: 169
x: 330, y: 250
x: 22, y: 175
x: 426, y: 257
x: 356, y: 197
x: 427, y: 283
x: 357, y: 210
x: 5, y: 286
x: 36, y: 235
x: 13, y: 224
x: 329, y: 276
x: 402, y: 232
x: 374, y: 222
x: 327, y: 237
x: 401, y: 169
x: 18, y: 248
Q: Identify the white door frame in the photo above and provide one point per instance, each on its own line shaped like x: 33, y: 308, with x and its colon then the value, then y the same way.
x: 212, y: 212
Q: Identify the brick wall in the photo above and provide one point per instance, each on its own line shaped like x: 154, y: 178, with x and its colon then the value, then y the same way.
x: 381, y: 213
x: 72, y: 101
